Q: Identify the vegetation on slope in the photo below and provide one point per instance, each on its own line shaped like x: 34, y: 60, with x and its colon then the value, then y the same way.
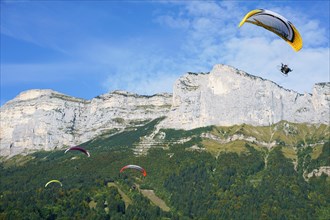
x: 221, y: 180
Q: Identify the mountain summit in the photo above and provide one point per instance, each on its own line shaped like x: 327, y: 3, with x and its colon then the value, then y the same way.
x: 45, y: 119
x: 227, y: 96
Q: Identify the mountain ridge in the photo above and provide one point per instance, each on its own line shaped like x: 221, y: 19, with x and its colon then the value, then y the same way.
x: 228, y: 96
x: 46, y: 119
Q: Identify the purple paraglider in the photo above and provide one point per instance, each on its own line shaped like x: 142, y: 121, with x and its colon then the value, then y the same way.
x: 78, y: 148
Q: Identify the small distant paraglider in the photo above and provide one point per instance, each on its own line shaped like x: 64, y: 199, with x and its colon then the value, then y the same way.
x: 79, y: 149
x: 143, y: 171
x: 53, y: 181
x: 275, y: 23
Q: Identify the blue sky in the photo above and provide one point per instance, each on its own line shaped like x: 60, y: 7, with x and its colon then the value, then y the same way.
x: 87, y: 48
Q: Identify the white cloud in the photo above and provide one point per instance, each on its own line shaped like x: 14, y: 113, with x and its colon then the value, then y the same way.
x: 143, y: 75
x: 172, y: 22
x: 314, y: 35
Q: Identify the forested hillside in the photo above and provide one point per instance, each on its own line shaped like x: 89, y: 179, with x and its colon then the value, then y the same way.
x: 237, y: 172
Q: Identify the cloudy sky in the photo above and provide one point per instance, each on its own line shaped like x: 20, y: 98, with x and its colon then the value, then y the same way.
x: 87, y: 48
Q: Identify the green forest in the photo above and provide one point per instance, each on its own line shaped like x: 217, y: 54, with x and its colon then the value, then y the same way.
x: 203, y: 177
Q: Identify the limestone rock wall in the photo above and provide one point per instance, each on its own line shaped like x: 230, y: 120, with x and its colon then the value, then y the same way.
x: 45, y: 119
x: 227, y: 96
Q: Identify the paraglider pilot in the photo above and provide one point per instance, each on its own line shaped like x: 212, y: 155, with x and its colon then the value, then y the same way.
x: 285, y: 69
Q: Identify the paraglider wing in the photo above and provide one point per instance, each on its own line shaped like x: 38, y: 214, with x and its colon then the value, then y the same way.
x: 143, y: 171
x: 276, y: 24
x: 53, y: 181
x: 80, y: 149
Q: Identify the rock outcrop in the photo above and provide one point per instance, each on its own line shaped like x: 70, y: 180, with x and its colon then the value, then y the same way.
x: 45, y: 119
x: 227, y: 96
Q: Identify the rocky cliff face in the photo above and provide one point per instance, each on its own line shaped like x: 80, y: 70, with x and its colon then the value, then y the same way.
x: 227, y: 96
x: 45, y: 119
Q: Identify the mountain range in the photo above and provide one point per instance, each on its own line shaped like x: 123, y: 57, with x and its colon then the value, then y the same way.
x: 46, y: 119
x: 224, y: 145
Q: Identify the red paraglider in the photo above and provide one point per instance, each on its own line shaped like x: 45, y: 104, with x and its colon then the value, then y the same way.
x: 143, y: 171
x: 80, y: 149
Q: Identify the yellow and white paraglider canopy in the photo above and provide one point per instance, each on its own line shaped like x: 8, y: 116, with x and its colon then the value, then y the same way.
x: 53, y: 181
x: 275, y: 23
